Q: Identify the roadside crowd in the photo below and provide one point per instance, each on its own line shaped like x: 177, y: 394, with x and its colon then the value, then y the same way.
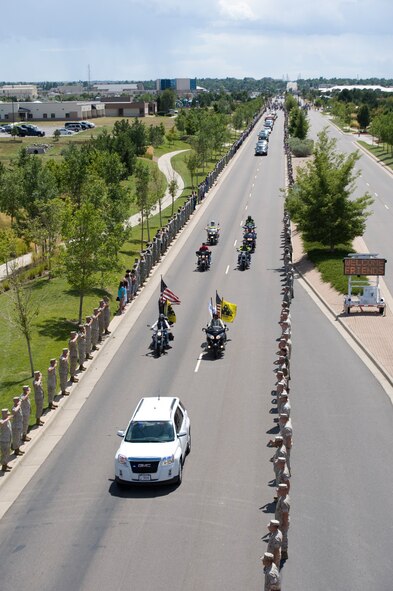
x: 277, y: 538
x: 15, y: 424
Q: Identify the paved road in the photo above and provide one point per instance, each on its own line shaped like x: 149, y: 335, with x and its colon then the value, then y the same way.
x: 71, y: 528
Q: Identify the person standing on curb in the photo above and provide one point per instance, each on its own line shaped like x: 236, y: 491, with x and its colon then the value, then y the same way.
x: 107, y: 315
x: 283, y: 507
x: 274, y: 541
x: 101, y: 320
x: 95, y: 329
x: 73, y: 348
x: 26, y: 411
x: 63, y: 371
x: 81, y: 347
x: 272, y: 574
x: 17, y: 426
x: 5, y: 439
x: 52, y: 384
x: 38, y: 398
x: 88, y: 325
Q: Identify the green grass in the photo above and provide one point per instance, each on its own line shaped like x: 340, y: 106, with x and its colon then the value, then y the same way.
x: 380, y: 152
x: 330, y: 264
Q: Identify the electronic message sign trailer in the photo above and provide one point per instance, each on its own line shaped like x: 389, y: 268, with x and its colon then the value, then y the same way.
x: 357, y: 267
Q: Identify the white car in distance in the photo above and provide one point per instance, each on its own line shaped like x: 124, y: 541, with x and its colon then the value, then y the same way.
x: 64, y: 131
x: 155, y: 443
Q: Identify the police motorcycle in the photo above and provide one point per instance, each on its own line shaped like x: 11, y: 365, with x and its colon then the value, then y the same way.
x: 213, y: 233
x: 215, y: 337
x: 203, y: 259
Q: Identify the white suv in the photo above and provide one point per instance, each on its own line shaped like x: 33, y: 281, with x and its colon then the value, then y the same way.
x: 155, y: 443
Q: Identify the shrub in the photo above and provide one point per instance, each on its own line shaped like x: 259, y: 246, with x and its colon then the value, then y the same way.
x: 301, y: 148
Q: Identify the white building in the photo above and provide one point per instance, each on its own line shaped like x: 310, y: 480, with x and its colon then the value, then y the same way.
x: 57, y: 111
x: 109, y: 89
x: 19, y: 91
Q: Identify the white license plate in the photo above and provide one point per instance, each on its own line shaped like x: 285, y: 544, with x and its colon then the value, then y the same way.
x: 144, y: 477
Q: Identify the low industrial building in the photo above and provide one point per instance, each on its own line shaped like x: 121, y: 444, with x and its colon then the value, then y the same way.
x: 115, y: 107
x: 19, y: 91
x: 51, y: 110
x: 117, y: 89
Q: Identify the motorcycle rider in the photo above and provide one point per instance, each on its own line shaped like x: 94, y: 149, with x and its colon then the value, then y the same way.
x: 204, y: 249
x: 216, y: 322
x: 162, y: 324
x: 244, y: 248
x: 249, y: 222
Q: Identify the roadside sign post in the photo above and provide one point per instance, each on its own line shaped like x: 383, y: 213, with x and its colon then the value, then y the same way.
x: 367, y: 265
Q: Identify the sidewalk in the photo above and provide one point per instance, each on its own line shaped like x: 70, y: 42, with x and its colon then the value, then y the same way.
x: 371, y: 331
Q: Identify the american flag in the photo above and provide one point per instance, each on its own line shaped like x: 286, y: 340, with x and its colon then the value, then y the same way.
x: 218, y: 305
x: 167, y: 294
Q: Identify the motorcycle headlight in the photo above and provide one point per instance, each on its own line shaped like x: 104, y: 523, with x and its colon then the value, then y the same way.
x: 159, y: 333
x: 168, y: 460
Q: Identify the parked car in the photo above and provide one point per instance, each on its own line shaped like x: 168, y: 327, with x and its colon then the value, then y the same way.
x: 30, y: 130
x: 7, y: 127
x: 73, y: 125
x: 65, y: 131
x: 155, y: 443
x: 88, y: 124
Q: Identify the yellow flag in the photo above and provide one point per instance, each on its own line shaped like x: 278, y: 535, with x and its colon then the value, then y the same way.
x: 228, y: 311
x: 169, y: 313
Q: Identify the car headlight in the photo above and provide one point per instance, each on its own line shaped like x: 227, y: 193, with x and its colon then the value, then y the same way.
x: 168, y: 460
x: 121, y: 459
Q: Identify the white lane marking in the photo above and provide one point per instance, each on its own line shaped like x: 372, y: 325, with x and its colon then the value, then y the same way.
x: 387, y: 207
x: 234, y: 244
x: 376, y: 194
x: 246, y: 208
x: 250, y: 195
x: 198, y: 363
x: 368, y: 184
x: 241, y: 223
x: 255, y: 175
x: 226, y: 272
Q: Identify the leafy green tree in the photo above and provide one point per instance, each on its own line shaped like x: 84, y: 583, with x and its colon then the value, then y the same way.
x: 8, y: 245
x: 172, y: 189
x: 363, y: 116
x: 23, y: 311
x: 290, y: 102
x: 192, y: 163
x: 143, y: 197
x: 89, y: 247
x: 320, y: 201
x: 298, y: 124
x: 166, y: 100
x: 45, y: 229
x: 12, y: 192
x: 157, y: 189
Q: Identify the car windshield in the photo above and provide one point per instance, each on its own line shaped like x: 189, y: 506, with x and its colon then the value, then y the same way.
x: 150, y: 432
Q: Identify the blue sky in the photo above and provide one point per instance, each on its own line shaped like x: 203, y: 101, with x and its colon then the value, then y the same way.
x: 142, y: 40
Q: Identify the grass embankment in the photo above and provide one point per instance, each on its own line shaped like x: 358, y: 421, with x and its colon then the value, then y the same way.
x: 58, y: 308
x: 379, y: 151
x: 330, y: 264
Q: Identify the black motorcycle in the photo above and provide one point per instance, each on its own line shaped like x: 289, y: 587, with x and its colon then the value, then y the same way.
x: 243, y: 260
x: 250, y: 239
x: 215, y: 339
x: 203, y: 261
x: 158, y: 342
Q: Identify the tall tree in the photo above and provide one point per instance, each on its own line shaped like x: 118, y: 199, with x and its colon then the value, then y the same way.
x: 363, y: 116
x: 320, y: 201
x: 8, y: 242
x: 157, y: 184
x: 143, y: 197
x: 23, y: 311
